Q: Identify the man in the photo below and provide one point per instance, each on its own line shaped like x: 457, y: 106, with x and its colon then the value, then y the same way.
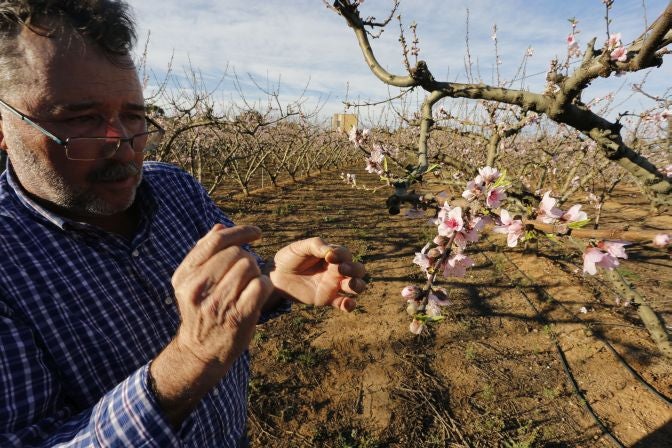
x: 126, y: 300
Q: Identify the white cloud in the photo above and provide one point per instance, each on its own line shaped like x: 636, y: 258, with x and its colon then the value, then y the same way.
x: 301, y: 40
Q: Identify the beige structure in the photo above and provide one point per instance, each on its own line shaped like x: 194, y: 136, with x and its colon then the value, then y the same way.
x: 344, y: 122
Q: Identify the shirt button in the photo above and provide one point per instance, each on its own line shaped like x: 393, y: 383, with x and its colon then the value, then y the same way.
x: 168, y: 300
x: 135, y: 253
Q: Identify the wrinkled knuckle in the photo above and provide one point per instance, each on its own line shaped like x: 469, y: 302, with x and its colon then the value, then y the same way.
x: 217, y: 240
x: 249, y: 264
x: 236, y: 251
x: 182, y: 291
x: 233, y: 318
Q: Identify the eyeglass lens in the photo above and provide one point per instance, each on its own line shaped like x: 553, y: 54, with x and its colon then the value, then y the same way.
x: 102, y: 148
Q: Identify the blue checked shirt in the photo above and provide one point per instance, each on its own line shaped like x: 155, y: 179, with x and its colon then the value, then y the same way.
x: 82, y: 312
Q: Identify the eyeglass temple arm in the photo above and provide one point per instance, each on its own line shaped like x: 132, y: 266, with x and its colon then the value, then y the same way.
x: 148, y: 118
x: 32, y: 123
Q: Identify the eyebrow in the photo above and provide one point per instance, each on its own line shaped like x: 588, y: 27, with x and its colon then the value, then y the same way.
x: 78, y: 107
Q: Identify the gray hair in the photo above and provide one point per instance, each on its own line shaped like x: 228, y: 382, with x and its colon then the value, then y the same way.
x: 105, y: 23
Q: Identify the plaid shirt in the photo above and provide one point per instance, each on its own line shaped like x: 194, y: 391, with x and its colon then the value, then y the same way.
x: 83, y: 311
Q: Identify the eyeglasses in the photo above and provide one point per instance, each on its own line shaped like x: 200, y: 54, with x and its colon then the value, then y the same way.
x: 93, y: 148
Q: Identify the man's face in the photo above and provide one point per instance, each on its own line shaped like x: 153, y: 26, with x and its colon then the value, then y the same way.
x: 74, y: 91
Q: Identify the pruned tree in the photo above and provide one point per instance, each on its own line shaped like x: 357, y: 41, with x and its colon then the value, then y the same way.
x: 560, y: 102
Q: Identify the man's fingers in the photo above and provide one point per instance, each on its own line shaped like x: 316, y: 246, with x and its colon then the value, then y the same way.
x: 352, y: 269
x: 253, y: 298
x: 318, y: 248
x: 338, y: 254
x: 217, y: 239
x: 344, y: 303
x: 215, y: 273
x: 353, y: 285
x: 232, y: 283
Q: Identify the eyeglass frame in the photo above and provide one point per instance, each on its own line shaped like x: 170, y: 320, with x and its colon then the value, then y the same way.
x: 64, y: 143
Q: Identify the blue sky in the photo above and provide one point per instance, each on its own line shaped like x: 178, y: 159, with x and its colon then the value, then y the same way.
x: 301, y: 42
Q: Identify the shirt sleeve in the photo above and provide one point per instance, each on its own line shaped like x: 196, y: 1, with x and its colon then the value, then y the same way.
x: 34, y: 412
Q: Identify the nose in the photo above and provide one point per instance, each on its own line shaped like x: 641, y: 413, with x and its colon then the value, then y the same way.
x: 116, y: 129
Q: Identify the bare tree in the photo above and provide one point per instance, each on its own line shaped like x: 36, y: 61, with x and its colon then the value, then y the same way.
x: 561, y: 101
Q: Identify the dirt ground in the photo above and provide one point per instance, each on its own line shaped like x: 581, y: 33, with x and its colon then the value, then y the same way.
x: 492, y: 374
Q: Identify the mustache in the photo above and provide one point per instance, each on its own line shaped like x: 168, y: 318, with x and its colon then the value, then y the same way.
x: 115, y: 171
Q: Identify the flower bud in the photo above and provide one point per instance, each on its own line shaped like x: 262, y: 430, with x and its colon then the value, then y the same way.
x: 412, y: 307
x: 416, y: 326
x: 661, y: 240
x: 440, y: 240
x: 411, y: 292
x: 434, y: 252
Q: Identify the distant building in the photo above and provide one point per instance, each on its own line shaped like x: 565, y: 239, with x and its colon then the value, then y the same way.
x: 344, y: 122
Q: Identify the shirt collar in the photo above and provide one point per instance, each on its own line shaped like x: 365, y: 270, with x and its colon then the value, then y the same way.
x: 30, y: 204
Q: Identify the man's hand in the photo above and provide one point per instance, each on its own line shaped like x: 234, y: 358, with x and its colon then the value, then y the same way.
x: 220, y: 292
x: 316, y: 273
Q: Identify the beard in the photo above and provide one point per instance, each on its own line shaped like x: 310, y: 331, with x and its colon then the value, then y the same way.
x: 36, y: 171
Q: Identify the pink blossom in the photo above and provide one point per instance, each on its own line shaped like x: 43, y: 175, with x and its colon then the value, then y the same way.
x: 593, y: 257
x: 434, y: 297
x: 547, y: 211
x: 668, y: 170
x: 411, y: 292
x: 464, y: 237
x: 434, y: 305
x: 473, y: 191
x: 456, y: 266
x: 443, y: 212
x: 374, y: 163
x: 495, y: 197
x: 614, y: 248
x: 614, y: 41
x: 487, y: 175
x: 469, y: 233
x: 574, y: 51
x: 574, y: 214
x: 573, y: 46
x: 352, y: 134
x: 421, y: 258
x: 358, y: 136
x: 451, y: 221
x: 512, y: 227
x: 372, y: 167
x: 433, y: 309
x: 661, y: 240
x: 416, y: 326
x: 619, y: 54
